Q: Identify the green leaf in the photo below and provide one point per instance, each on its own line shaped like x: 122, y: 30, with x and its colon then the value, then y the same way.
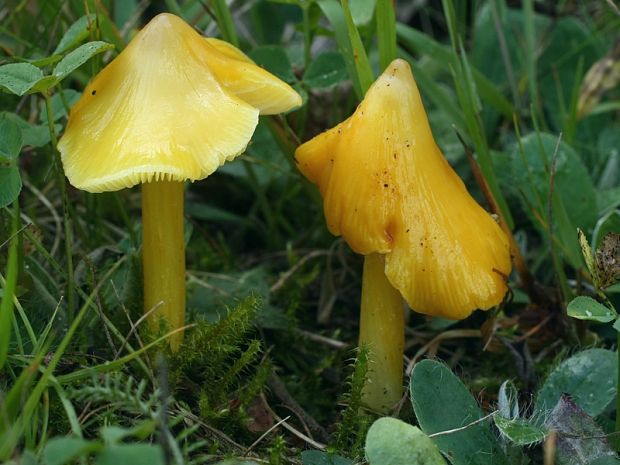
x: 445, y: 58
x: 61, y: 450
x: 608, y: 200
x: 362, y: 11
x: 574, y: 193
x: 275, y: 60
x: 588, y: 377
x: 508, y: 401
x: 33, y: 135
x: 124, y: 12
x: 45, y: 84
x: 59, y: 110
x: 520, y: 431
x: 10, y: 139
x: 580, y: 441
x: 10, y: 185
x: 393, y: 442
x: 77, y: 33
x: 225, y: 291
x: 326, y: 70
x: 268, y: 21
x: 608, y: 223
x: 28, y: 458
x: 608, y: 157
x: 78, y: 57
x: 441, y: 402
x: 586, y: 308
x: 19, y: 78
x: 568, y: 42
x: 486, y: 42
x: 43, y: 62
x: 334, y: 13
x: 317, y: 457
x: 136, y: 454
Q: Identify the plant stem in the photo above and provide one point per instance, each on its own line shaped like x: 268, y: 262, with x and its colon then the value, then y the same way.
x: 163, y: 256
x: 382, y: 329
x: 305, y: 7
x: 66, y: 217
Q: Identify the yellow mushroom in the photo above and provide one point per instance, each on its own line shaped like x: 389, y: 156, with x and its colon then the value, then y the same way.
x: 390, y: 193
x: 172, y: 107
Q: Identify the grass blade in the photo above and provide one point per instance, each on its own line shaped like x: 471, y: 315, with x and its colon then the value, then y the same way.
x: 13, y: 435
x: 364, y: 71
x: 118, y: 363
x: 10, y: 405
x: 386, y: 32
x: 417, y: 41
x: 225, y: 22
x: 530, y: 55
x: 6, y: 306
x: 470, y: 103
x: 335, y: 15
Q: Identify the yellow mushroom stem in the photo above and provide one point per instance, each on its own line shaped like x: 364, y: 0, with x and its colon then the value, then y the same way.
x: 163, y: 256
x: 382, y: 330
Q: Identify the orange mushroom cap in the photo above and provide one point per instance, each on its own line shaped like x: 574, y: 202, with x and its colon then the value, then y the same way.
x: 171, y: 106
x: 387, y: 189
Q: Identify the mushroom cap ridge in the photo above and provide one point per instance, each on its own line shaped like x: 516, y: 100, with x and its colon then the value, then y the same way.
x: 388, y: 189
x: 166, y: 109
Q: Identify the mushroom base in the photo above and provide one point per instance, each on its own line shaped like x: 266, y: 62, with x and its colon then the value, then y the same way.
x: 382, y: 330
x: 163, y: 257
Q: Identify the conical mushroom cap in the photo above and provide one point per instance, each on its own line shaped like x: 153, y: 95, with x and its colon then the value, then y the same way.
x: 388, y: 189
x: 173, y: 105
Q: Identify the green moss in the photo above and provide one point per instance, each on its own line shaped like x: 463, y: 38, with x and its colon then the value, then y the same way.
x: 354, y: 423
x: 220, y: 369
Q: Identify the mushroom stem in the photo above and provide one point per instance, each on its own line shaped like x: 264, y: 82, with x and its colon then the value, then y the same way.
x: 382, y: 329
x: 163, y: 256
